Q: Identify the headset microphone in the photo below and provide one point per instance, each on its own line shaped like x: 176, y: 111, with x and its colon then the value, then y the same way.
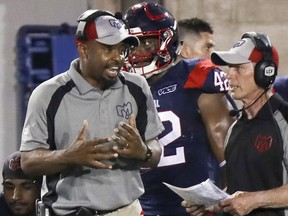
x: 234, y: 112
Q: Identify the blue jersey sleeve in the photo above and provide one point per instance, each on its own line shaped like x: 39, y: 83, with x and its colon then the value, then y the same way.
x: 281, y: 86
x: 207, y: 77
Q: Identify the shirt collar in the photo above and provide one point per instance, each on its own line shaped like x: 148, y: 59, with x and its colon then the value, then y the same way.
x: 268, y: 108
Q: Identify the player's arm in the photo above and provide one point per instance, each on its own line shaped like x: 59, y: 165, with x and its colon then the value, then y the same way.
x: 42, y: 161
x: 92, y: 153
x: 156, y: 151
x: 127, y: 136
x: 215, y: 115
x: 242, y: 203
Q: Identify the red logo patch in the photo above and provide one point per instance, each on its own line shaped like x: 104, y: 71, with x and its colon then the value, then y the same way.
x: 14, y: 164
x: 263, y: 143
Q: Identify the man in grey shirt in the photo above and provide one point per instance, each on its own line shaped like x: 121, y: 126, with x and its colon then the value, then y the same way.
x: 96, y: 167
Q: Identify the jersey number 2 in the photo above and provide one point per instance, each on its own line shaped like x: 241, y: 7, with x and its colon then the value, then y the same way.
x: 175, y: 133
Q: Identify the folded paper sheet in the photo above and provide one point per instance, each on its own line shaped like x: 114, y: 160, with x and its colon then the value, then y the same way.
x: 205, y: 193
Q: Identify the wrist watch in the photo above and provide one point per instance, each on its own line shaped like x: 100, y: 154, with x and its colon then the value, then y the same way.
x: 149, y: 154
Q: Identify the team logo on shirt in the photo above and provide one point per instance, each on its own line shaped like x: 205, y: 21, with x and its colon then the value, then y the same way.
x: 124, y: 110
x: 168, y: 89
x: 263, y: 143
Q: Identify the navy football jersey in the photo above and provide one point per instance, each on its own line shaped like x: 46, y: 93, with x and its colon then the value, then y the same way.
x: 186, y: 155
x: 4, y: 209
x: 281, y: 86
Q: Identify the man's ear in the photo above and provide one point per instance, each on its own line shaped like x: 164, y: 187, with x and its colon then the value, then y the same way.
x: 185, y: 51
x: 82, y: 50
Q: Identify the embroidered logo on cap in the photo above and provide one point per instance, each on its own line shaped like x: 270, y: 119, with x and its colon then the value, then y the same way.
x: 239, y: 43
x: 115, y: 23
x: 14, y: 165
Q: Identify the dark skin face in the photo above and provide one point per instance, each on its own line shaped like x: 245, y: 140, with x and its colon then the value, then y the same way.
x: 147, y: 46
x: 100, y: 63
x: 143, y: 55
x: 20, y: 195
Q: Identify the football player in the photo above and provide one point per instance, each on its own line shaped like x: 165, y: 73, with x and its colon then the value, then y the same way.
x: 190, y: 98
x: 281, y: 86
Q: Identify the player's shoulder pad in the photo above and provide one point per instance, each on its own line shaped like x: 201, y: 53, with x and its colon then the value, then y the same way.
x: 281, y: 81
x: 208, y: 77
x: 280, y: 86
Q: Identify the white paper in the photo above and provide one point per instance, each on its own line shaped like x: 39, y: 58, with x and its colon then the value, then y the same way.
x: 205, y: 193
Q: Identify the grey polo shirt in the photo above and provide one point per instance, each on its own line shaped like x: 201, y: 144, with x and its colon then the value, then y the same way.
x: 55, y: 115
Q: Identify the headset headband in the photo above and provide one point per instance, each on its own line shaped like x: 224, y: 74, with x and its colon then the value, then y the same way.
x: 86, y: 17
x: 262, y: 43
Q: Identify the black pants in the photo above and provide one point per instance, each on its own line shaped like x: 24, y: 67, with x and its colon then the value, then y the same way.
x: 83, y: 211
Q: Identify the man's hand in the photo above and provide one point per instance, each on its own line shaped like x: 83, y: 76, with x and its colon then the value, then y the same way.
x: 130, y: 142
x: 193, y: 209
x: 241, y: 203
x: 199, y: 210
x: 89, y: 152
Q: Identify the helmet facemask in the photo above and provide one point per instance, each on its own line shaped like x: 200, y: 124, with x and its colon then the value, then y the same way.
x: 148, y: 63
x: 151, y: 20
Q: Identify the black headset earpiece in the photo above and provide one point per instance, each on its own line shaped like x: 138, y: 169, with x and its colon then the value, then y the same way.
x: 86, y: 17
x: 266, y: 69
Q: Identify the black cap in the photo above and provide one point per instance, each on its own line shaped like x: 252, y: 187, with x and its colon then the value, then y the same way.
x: 12, y: 169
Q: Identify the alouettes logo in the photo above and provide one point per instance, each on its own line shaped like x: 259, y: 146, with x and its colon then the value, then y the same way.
x: 14, y: 164
x: 115, y: 23
x: 124, y: 110
x: 263, y: 143
x: 239, y: 43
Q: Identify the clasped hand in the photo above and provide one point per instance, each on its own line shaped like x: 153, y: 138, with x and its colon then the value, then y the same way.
x: 93, y: 153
